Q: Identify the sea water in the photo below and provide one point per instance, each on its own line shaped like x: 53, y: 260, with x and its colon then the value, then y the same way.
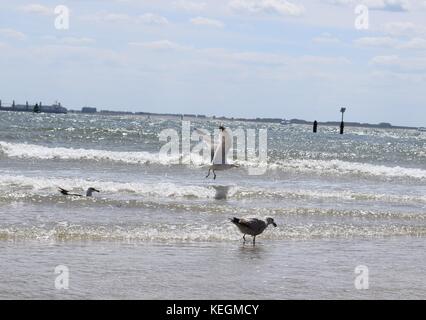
x: 159, y: 230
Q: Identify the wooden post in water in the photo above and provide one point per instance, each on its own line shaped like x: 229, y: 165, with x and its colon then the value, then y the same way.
x: 315, y: 126
x: 342, y: 124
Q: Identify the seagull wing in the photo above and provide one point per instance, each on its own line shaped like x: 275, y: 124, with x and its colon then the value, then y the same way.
x: 253, y: 224
x: 63, y: 191
x: 222, y: 150
x: 67, y: 193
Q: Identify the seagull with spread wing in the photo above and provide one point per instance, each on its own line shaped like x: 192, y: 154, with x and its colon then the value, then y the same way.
x: 219, y: 156
x: 89, y: 192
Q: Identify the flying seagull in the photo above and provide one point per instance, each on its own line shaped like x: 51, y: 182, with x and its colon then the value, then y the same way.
x: 89, y: 192
x: 219, y: 156
x: 252, y: 226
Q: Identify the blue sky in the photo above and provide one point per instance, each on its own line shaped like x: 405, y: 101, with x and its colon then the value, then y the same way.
x: 248, y: 58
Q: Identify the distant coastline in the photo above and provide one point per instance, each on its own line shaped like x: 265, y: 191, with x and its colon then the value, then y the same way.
x: 58, y: 108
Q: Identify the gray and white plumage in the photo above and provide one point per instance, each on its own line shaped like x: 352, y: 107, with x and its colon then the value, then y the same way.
x: 252, y: 226
x: 89, y: 192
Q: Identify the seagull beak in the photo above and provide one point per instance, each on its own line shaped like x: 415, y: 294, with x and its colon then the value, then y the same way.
x: 96, y: 190
x: 274, y: 224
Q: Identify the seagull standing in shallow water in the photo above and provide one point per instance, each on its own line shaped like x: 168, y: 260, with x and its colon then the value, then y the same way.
x: 219, y: 157
x: 252, y: 226
x: 89, y: 192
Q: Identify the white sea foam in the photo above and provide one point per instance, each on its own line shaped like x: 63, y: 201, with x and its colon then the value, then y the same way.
x: 318, y: 167
x: 23, y: 150
x: 199, y: 233
x: 339, y: 167
x: 50, y: 185
x: 20, y: 186
x: 309, y: 194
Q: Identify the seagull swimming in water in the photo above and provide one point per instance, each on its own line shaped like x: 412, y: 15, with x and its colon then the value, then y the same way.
x: 219, y: 157
x: 252, y: 226
x: 89, y: 192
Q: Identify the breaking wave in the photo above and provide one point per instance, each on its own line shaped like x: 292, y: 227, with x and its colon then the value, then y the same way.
x: 31, y: 151
x: 317, y: 167
x: 200, y: 233
x: 20, y: 187
x: 20, y: 184
x: 338, y: 168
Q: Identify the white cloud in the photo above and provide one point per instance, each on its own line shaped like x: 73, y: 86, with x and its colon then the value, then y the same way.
x: 400, y: 64
x: 376, y: 42
x: 414, y: 44
x: 72, y: 41
x: 158, y: 45
x: 190, y: 6
x: 73, y: 55
x: 37, y: 9
x: 388, y: 75
x: 385, y: 5
x: 388, y: 42
x: 325, y: 38
x: 258, y: 58
x: 54, y: 40
x: 281, y: 7
x: 388, y: 5
x: 108, y: 17
x: 403, y: 29
x: 111, y: 17
x: 273, y: 60
x: 385, y: 60
x: 321, y: 60
x: 12, y: 34
x: 152, y: 18
x: 207, y: 22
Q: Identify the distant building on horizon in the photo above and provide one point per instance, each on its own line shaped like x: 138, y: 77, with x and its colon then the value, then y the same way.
x: 54, y: 108
x: 88, y: 110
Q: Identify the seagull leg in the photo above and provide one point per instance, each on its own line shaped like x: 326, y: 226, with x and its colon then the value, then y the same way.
x: 208, y: 174
x: 254, y: 240
x: 244, y: 238
x: 214, y: 177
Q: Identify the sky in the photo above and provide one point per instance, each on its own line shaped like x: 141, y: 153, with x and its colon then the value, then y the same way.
x: 237, y: 58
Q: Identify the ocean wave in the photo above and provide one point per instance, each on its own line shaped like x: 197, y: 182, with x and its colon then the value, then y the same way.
x: 299, y: 166
x: 217, y: 208
x: 45, y: 189
x: 339, y: 168
x: 201, y: 233
x: 31, y: 151
x: 19, y: 185
x: 309, y: 194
